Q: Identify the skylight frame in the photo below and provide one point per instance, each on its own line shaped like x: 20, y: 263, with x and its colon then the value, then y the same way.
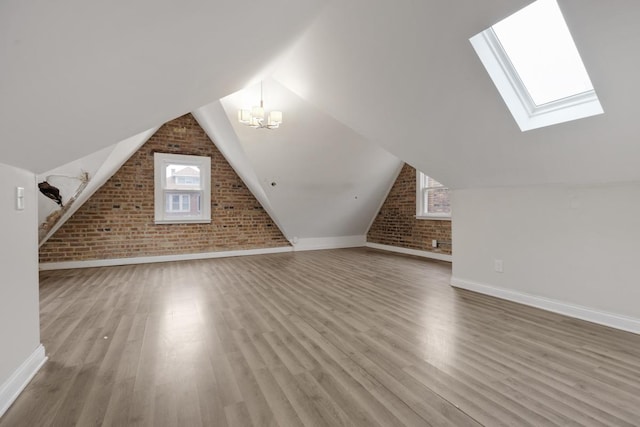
x: 526, y: 113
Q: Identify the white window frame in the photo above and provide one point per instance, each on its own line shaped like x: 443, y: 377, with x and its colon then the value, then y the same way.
x: 422, y: 189
x: 526, y: 113
x: 161, y: 161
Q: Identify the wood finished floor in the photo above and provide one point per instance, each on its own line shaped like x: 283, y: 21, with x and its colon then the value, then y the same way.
x: 343, y: 337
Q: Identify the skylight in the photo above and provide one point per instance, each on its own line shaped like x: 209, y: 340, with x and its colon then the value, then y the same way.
x: 534, y: 63
x: 545, y: 57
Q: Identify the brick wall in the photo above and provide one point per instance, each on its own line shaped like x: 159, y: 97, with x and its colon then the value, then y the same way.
x: 396, y: 223
x: 118, y: 220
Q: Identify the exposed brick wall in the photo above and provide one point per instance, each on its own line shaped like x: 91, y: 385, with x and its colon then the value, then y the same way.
x: 396, y: 223
x: 118, y: 220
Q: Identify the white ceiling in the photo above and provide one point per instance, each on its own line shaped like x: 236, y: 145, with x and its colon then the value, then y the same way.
x: 404, y: 75
x: 78, y: 76
x: 321, y: 178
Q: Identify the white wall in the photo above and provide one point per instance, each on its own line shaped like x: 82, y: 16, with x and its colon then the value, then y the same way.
x: 573, y: 245
x: 19, y: 312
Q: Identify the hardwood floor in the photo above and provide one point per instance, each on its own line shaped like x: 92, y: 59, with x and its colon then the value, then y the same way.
x: 342, y: 337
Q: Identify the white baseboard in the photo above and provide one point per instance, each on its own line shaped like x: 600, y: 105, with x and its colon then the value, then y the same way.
x: 616, y: 321
x: 12, y: 387
x: 160, y: 258
x: 317, y: 243
x: 406, y: 251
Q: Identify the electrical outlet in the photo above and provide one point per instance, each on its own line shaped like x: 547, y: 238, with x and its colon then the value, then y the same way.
x: 498, y: 265
x: 434, y: 243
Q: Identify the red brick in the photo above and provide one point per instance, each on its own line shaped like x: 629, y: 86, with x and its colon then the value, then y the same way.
x: 117, y: 221
x: 396, y: 223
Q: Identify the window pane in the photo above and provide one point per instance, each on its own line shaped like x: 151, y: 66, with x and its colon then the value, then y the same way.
x: 432, y: 197
x: 540, y: 47
x: 437, y: 201
x: 179, y: 205
x: 182, y: 176
x: 433, y: 183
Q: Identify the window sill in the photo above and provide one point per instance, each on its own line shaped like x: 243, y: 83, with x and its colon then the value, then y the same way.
x: 183, y: 221
x: 433, y: 217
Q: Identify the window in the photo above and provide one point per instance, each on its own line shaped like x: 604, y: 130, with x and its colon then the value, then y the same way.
x: 432, y: 198
x: 182, y: 189
x: 535, y: 65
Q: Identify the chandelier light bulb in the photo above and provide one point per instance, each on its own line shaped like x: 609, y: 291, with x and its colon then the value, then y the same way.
x: 255, y: 117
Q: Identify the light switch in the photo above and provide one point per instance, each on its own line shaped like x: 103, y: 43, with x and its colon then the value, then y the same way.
x: 20, y: 198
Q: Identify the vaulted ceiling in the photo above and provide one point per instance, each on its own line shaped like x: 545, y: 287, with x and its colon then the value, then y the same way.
x: 79, y: 76
x: 401, y: 76
x: 404, y: 75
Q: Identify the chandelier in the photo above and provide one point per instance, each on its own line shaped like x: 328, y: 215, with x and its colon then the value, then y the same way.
x: 255, y: 116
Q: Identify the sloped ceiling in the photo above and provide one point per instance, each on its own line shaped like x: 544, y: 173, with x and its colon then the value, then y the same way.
x: 404, y: 75
x: 321, y: 178
x: 99, y: 166
x: 213, y: 120
x: 79, y: 76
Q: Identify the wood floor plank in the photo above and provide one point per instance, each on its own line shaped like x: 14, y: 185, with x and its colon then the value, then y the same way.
x: 278, y: 402
x: 338, y: 337
x: 237, y: 415
x: 259, y: 410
